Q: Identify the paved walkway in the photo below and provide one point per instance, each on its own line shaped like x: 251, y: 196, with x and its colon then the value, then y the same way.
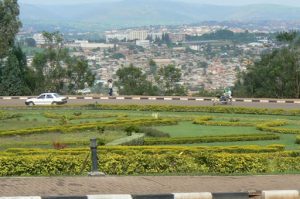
x: 71, y: 186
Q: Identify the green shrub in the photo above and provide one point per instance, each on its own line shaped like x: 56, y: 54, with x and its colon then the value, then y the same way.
x: 101, y: 129
x: 207, y: 121
x: 298, y: 140
x: 273, y: 127
x: 101, y: 142
x: 77, y: 113
x: 137, y: 162
x: 151, y: 132
x: 131, y: 129
x: 5, y: 116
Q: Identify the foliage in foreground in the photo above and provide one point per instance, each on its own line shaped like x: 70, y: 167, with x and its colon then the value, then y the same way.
x: 123, y: 161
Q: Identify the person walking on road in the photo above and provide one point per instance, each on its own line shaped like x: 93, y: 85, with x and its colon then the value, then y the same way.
x: 110, y: 87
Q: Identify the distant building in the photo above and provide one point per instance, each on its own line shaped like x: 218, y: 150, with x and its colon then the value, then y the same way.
x: 195, y: 47
x: 116, y: 36
x: 84, y: 44
x: 137, y: 35
x: 143, y: 43
x: 156, y: 35
x: 39, y: 39
x: 163, y: 62
x: 177, y: 37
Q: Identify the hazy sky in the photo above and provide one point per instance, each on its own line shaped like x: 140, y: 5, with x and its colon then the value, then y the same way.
x: 219, y: 2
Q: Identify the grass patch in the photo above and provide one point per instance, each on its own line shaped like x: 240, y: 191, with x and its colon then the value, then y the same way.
x: 36, y: 118
x: 184, y: 129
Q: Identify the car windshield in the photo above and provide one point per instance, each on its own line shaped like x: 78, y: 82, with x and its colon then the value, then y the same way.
x: 56, y: 95
x: 41, y: 97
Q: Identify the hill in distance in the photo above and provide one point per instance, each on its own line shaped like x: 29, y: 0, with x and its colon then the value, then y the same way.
x: 132, y: 13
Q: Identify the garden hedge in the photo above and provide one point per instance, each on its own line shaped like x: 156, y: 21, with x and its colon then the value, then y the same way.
x: 273, y: 127
x: 123, y: 150
x: 69, y: 128
x: 207, y: 109
x: 209, y: 139
x: 168, y: 108
x: 139, y: 163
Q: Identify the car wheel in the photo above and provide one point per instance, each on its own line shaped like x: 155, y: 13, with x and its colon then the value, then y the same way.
x: 31, y: 104
x: 54, y: 103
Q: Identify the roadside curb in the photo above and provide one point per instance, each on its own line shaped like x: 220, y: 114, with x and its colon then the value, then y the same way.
x: 155, y: 98
x: 276, y: 194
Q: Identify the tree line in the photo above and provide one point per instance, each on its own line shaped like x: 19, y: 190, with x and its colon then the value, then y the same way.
x: 52, y: 70
x: 276, y: 74
x: 166, y: 82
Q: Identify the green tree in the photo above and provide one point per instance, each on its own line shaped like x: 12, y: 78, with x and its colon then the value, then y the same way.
x: 79, y: 74
x: 132, y: 81
x: 9, y: 25
x: 30, y: 42
x: 118, y: 56
x: 56, y: 70
x: 13, y: 81
x: 168, y: 78
x: 277, y: 74
x: 153, y: 67
x: 287, y: 36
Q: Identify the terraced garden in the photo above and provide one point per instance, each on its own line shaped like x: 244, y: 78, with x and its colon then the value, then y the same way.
x: 144, y: 140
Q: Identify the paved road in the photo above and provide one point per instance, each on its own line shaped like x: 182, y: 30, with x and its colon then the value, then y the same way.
x: 48, y: 186
x: 281, y: 105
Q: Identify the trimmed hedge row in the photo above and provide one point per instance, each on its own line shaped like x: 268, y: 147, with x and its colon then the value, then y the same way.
x: 168, y: 108
x: 271, y: 127
x: 208, y: 109
x: 77, y: 116
x: 123, y: 150
x: 267, y: 126
x: 90, y: 126
x: 139, y: 163
x: 48, y: 144
x: 209, y: 139
x: 222, y: 123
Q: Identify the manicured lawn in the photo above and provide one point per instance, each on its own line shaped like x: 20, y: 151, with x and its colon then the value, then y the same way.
x: 185, y: 128
x: 46, y: 140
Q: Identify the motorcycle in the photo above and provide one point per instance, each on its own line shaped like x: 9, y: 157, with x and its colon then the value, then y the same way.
x: 222, y: 100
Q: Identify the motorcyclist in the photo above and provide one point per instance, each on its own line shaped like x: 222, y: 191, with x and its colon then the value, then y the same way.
x: 228, y: 93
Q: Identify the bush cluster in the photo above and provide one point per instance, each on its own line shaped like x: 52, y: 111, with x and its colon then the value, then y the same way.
x: 207, y: 121
x: 273, y: 127
x: 146, y: 150
x: 207, y: 109
x: 208, y: 139
x: 298, y: 140
x: 137, y: 162
x: 5, y: 116
x: 79, y: 115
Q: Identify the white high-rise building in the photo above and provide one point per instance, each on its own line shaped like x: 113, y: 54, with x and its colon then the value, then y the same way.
x: 119, y: 36
x: 39, y: 39
x: 137, y: 35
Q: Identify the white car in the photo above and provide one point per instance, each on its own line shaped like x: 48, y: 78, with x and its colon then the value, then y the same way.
x: 46, y: 99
